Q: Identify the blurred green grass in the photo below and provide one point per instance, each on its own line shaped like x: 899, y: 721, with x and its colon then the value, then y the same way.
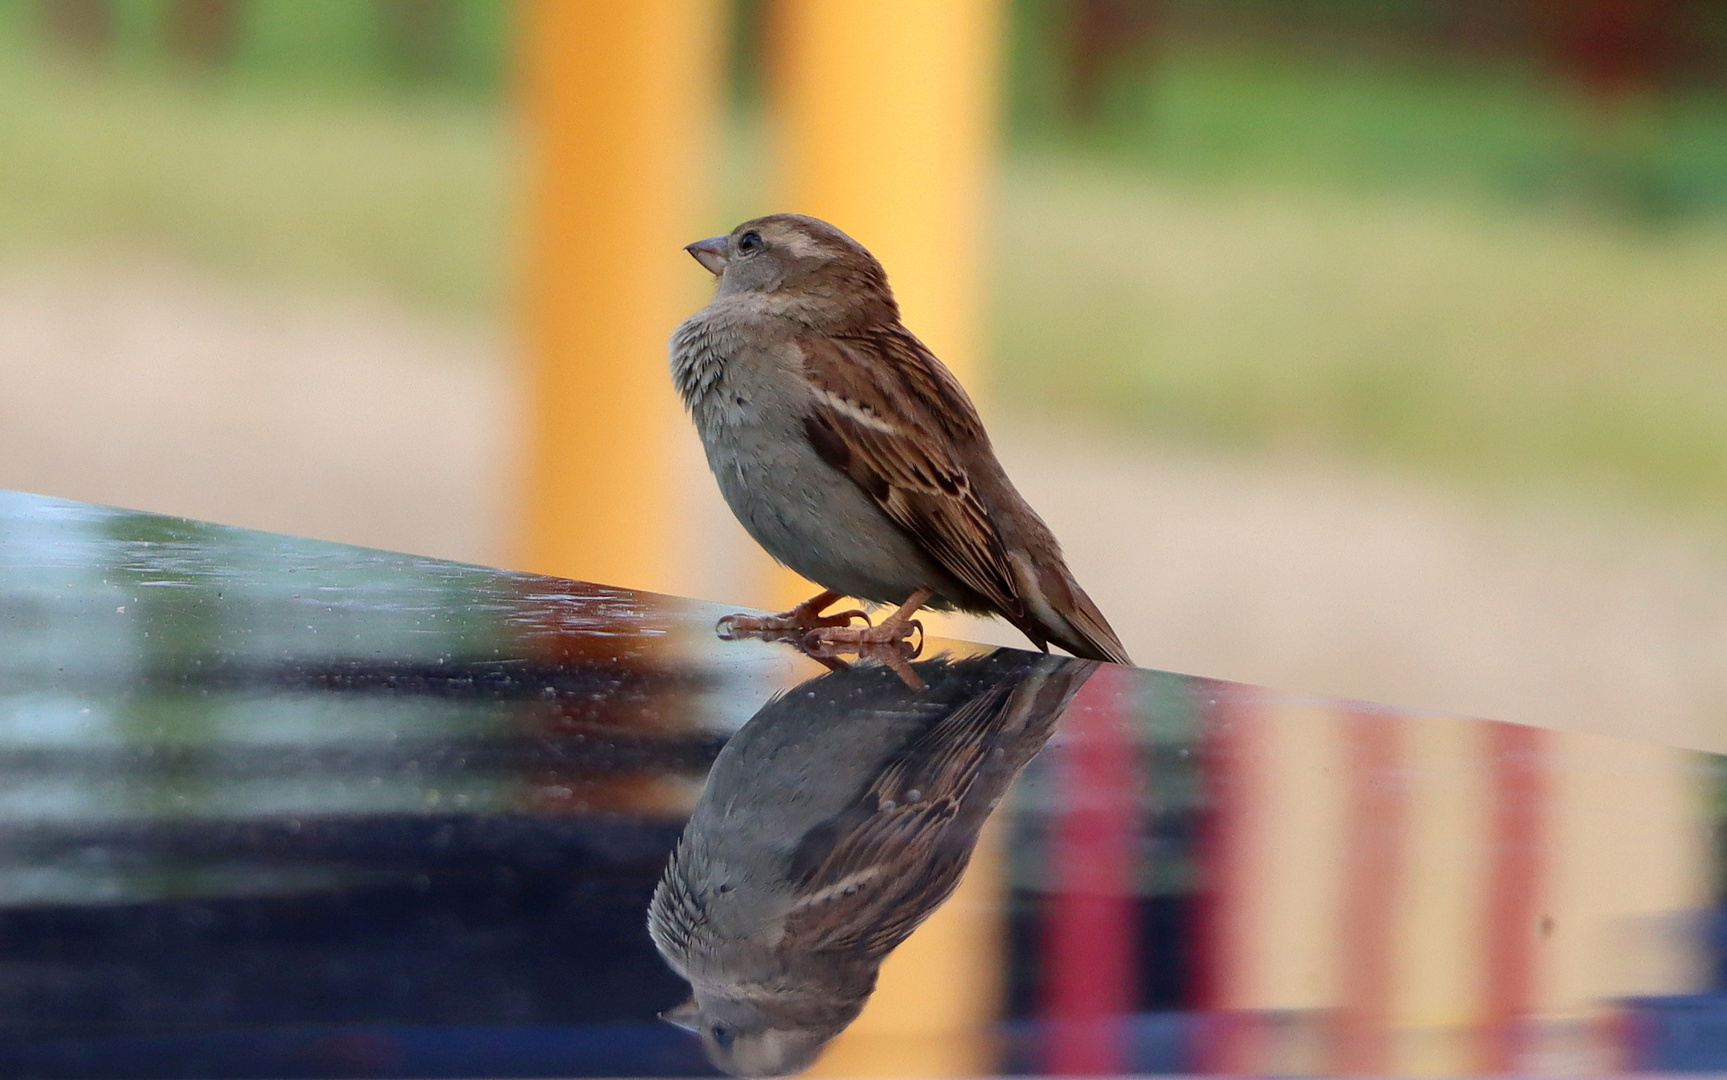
x: 1495, y: 130
x: 1483, y: 344
x: 1329, y: 259
x: 333, y: 186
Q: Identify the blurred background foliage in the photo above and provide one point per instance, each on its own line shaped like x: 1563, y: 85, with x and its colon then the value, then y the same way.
x: 1481, y: 239
x: 309, y: 141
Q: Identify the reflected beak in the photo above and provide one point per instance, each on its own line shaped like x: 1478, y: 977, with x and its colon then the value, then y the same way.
x: 711, y: 253
x: 688, y: 1015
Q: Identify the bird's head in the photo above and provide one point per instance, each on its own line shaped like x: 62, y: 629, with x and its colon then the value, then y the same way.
x: 801, y: 265
x: 747, y: 1038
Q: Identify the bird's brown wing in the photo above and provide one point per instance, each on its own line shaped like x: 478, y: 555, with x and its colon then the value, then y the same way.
x: 867, y: 878
x: 889, y: 415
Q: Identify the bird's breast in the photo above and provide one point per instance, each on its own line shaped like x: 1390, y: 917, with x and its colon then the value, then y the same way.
x: 746, y: 390
x: 733, y: 374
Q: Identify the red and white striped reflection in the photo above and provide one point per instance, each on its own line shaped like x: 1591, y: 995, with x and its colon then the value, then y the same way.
x: 1089, y: 942
x: 1380, y: 893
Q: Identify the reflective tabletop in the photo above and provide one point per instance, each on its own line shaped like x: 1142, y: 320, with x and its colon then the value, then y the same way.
x: 272, y: 807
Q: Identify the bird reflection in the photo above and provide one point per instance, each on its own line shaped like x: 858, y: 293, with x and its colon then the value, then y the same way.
x: 831, y: 826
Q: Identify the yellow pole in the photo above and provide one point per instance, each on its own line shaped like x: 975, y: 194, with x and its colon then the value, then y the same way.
x: 617, y: 99
x: 885, y: 114
x: 884, y: 117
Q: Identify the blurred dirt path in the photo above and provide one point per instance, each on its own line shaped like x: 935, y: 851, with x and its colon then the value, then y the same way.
x: 147, y: 385
x: 1340, y: 582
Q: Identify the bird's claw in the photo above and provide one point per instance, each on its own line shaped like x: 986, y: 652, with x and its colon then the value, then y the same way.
x: 844, y: 618
x: 889, y: 643
x: 824, y: 637
x: 789, y: 624
x: 852, y: 638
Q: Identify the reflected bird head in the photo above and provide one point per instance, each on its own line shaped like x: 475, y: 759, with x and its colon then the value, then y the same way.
x: 753, y: 1039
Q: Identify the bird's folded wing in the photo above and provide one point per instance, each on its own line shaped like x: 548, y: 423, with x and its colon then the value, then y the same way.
x: 891, y: 417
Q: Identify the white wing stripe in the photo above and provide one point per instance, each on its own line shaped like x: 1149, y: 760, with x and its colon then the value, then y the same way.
x: 853, y: 411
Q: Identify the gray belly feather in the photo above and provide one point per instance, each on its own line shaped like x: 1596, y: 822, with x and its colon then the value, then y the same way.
x: 811, y: 517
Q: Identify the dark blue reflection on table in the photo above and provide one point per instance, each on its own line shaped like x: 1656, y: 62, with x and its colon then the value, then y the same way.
x: 273, y: 807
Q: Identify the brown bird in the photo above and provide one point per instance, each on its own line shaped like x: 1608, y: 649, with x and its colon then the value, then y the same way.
x: 853, y: 455
x: 831, y: 826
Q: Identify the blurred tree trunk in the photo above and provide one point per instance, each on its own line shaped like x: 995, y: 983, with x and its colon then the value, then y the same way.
x: 81, y: 27
x: 1101, y: 36
x: 1616, y: 47
x: 419, y: 36
x: 203, y: 33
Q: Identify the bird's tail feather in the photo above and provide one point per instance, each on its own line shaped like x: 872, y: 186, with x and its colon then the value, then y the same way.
x: 1087, y: 636
x: 1059, y: 611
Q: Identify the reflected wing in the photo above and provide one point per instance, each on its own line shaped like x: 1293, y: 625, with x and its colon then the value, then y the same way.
x: 867, y: 878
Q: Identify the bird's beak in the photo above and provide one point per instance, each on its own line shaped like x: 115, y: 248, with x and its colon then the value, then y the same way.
x: 711, y: 253
x: 688, y: 1015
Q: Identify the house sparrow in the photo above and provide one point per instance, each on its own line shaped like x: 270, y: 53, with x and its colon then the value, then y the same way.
x: 831, y: 825
x: 853, y: 455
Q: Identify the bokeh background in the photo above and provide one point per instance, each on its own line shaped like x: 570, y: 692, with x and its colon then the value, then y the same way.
x: 1373, y: 348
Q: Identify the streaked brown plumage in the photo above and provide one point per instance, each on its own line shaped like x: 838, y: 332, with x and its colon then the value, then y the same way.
x: 831, y: 826
x: 852, y: 454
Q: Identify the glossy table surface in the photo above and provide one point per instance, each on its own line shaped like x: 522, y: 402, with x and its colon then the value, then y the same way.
x: 272, y: 807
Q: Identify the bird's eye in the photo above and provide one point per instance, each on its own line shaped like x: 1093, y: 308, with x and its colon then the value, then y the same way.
x: 723, y: 1035
x: 751, y: 242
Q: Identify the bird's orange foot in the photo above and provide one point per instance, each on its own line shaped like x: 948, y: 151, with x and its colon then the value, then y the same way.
x: 804, y: 618
x: 838, y: 639
x: 894, y: 650
x: 891, y: 643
